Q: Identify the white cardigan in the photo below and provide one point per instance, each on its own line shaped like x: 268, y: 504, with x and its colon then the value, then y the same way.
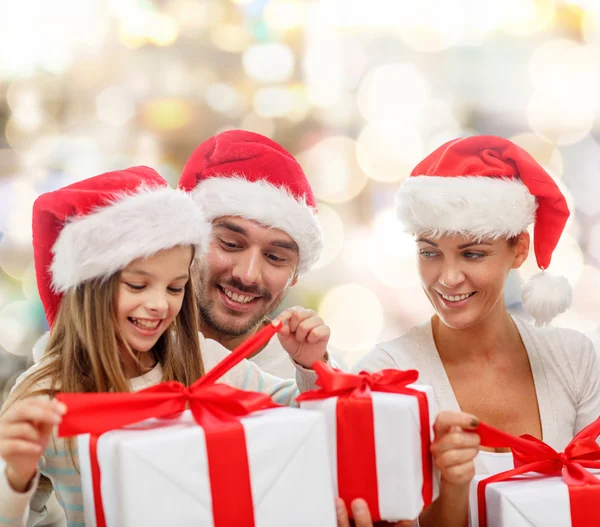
x: 563, y: 362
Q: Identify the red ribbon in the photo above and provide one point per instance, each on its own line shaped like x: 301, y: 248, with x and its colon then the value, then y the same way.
x: 217, y: 408
x: 357, y: 467
x: 532, y: 455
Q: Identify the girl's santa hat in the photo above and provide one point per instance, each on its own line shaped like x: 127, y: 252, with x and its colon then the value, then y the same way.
x: 96, y: 227
x: 488, y: 187
x: 239, y: 173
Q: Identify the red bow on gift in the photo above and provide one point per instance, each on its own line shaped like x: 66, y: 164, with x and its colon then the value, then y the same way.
x: 355, y: 428
x: 217, y: 408
x: 532, y: 455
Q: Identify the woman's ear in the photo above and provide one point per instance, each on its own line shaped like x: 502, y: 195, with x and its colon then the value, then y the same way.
x: 521, y: 250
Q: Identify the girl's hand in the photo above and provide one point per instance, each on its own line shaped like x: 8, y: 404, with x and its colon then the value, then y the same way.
x: 25, y: 429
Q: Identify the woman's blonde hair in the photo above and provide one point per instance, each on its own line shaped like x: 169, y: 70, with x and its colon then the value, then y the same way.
x: 85, y: 350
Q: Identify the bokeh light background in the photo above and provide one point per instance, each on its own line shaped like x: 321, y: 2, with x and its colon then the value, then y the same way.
x: 358, y: 90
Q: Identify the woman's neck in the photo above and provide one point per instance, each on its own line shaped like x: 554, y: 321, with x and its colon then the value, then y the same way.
x: 496, y: 333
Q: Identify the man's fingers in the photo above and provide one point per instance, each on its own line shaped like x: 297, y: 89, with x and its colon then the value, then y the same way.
x: 447, y: 419
x: 341, y: 513
x: 361, y: 513
x: 306, y: 327
x: 318, y: 334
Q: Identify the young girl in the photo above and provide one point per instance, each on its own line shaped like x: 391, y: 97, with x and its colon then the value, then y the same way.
x: 112, y: 256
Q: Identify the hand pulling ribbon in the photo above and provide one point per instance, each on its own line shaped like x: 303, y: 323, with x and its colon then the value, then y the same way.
x: 217, y: 408
x: 532, y: 455
x: 357, y: 473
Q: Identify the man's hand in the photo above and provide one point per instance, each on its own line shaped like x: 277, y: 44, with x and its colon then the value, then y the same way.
x: 362, y: 516
x: 304, y: 335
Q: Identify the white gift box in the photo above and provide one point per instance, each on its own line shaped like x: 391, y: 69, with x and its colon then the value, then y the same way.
x: 397, y: 430
x: 156, y: 473
x: 525, y: 501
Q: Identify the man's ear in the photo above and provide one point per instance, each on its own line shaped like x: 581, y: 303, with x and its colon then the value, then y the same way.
x: 521, y: 249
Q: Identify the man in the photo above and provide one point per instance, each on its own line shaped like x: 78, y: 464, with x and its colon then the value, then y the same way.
x: 265, y: 236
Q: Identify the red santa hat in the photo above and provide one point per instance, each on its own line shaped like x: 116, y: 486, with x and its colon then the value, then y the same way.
x: 239, y: 173
x: 96, y: 227
x: 488, y: 187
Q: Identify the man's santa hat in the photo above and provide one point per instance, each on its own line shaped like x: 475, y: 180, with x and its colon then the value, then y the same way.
x: 96, y: 227
x: 239, y: 173
x: 488, y: 187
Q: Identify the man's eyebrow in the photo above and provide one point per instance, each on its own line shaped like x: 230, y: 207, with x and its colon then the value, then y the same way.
x: 285, y: 244
x: 224, y: 224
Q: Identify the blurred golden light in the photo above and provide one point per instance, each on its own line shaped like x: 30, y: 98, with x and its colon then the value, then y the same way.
x: 18, y: 327
x: 333, y: 235
x: 166, y: 31
x: 230, y: 37
x: 15, y: 256
x: 332, y: 170
x: 544, y: 152
x: 148, y: 27
x: 21, y: 139
x: 261, y: 125
x: 594, y: 243
x: 392, y: 256
x: 355, y: 317
x: 393, y: 91
x: 567, y: 261
x: 115, y: 106
x: 527, y: 17
x: 301, y: 107
x: 193, y: 16
x: 585, y: 301
x: 22, y: 197
x: 566, y: 79
x: 285, y: 15
x: 388, y: 150
x: 273, y: 102
x: 221, y: 97
x: 167, y: 114
x: 268, y: 63
x: 29, y: 284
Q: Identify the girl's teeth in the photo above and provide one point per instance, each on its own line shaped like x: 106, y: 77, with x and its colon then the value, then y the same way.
x: 144, y: 324
x: 242, y: 299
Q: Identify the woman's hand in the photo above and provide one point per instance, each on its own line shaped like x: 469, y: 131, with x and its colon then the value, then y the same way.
x: 25, y: 429
x: 455, y: 445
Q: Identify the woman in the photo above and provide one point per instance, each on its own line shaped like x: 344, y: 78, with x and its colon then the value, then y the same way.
x: 469, y: 204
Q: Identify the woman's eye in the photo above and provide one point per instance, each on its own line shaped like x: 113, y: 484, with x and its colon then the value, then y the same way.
x: 470, y: 255
x: 427, y: 254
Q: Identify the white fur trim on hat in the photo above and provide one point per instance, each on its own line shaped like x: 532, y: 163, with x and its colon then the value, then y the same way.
x: 268, y: 205
x: 133, y: 226
x: 476, y: 205
x: 39, y: 348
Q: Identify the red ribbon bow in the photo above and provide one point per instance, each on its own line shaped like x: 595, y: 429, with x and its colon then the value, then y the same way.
x: 217, y: 408
x: 532, y: 455
x: 356, y: 467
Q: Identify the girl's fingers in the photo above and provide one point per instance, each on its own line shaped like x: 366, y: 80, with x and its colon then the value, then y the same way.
x: 361, y: 513
x: 19, y: 447
x: 20, y: 430
x: 341, y: 513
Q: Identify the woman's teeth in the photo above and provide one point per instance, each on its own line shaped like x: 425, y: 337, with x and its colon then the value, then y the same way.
x: 145, y: 324
x: 456, y: 298
x: 242, y: 299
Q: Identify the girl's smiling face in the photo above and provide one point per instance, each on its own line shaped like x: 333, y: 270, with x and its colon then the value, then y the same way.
x: 464, y: 277
x: 150, y: 296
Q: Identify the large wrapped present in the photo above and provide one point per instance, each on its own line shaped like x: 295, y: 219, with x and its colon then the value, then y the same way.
x: 545, y: 489
x: 379, y: 433
x: 234, y: 459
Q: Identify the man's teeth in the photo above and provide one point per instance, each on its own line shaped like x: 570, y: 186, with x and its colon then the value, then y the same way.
x: 242, y: 299
x: 457, y: 298
x: 145, y: 324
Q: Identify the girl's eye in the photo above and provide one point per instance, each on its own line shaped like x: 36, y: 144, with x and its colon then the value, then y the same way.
x: 175, y: 289
x: 135, y: 287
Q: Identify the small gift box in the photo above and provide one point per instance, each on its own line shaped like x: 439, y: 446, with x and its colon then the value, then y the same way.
x: 545, y: 489
x: 379, y: 433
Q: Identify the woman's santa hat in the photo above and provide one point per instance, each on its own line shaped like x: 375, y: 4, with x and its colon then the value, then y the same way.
x: 239, y: 173
x: 488, y: 187
x: 96, y: 227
